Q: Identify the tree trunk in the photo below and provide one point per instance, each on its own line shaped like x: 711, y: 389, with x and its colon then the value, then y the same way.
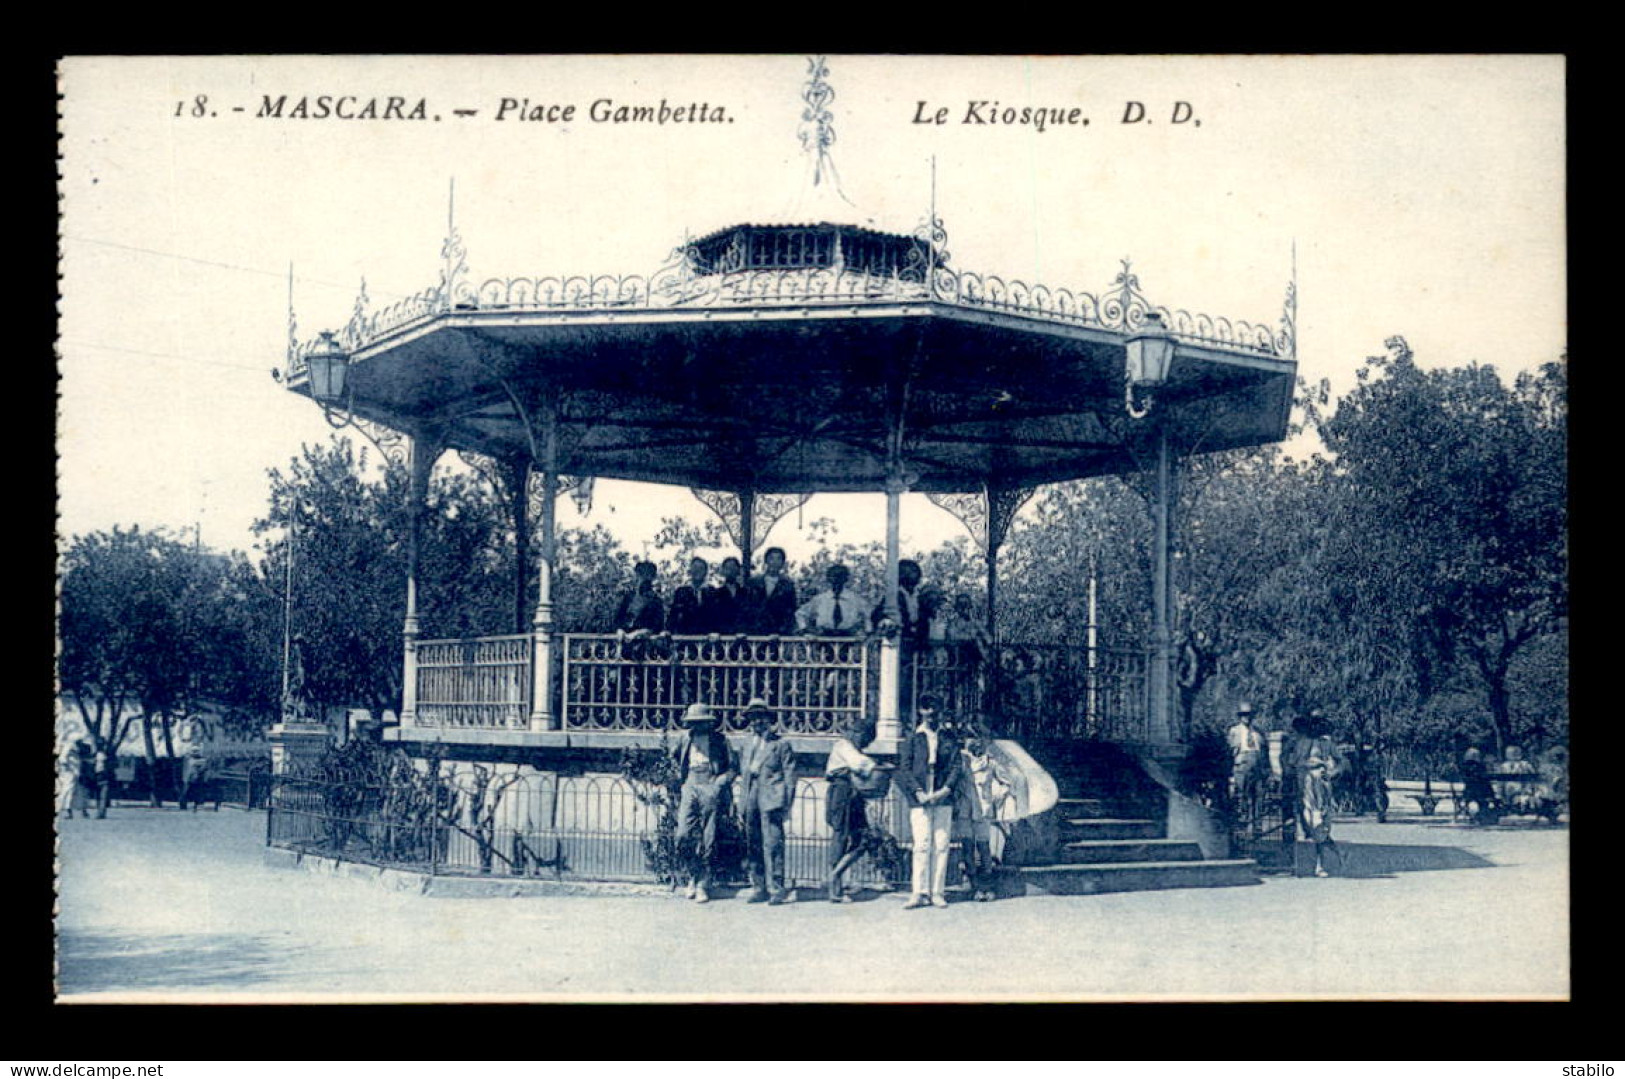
x: 152, y: 759
x: 1500, y: 706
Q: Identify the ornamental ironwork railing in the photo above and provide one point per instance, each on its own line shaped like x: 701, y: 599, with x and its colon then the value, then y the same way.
x: 1041, y: 691
x: 482, y: 682
x: 643, y: 683
x: 612, y: 682
x: 481, y: 821
x: 691, y: 279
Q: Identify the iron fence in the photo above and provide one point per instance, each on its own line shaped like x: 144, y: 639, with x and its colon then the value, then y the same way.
x: 481, y: 821
x: 474, y: 682
x: 614, y: 682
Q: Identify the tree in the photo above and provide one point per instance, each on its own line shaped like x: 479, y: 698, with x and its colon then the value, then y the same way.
x: 1453, y: 512
x: 151, y: 627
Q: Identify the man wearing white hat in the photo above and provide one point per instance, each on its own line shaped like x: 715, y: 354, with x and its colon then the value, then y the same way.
x: 705, y: 768
x: 768, y: 766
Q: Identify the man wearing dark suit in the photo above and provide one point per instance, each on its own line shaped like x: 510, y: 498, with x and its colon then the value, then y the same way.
x: 928, y: 773
x: 687, y: 616
x: 773, y: 595
x: 768, y: 768
x: 727, y: 606
x: 705, y: 768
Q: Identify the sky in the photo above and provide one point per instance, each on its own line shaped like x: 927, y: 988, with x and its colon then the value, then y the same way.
x: 1419, y: 196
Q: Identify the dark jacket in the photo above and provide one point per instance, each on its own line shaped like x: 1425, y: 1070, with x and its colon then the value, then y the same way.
x: 775, y: 612
x: 727, y: 612
x: 768, y: 766
x: 640, y: 611
x: 912, y: 632
x: 722, y: 757
x: 686, y: 615
x: 914, y: 773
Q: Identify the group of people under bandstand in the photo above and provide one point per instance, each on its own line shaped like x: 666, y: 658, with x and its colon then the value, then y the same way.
x: 768, y: 604
x: 945, y: 773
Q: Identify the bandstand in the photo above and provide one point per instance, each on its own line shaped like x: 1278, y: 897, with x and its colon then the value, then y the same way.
x: 760, y: 365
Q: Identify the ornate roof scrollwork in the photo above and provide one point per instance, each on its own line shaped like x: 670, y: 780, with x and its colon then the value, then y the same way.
x: 767, y: 510
x: 987, y: 515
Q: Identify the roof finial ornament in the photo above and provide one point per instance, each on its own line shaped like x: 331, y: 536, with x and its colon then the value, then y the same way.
x: 818, y: 126
x: 293, y: 324
x: 453, y: 257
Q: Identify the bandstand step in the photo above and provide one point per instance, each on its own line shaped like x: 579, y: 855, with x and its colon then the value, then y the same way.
x: 1094, y: 808
x: 1098, y: 828
x: 1097, y: 851
x: 1095, y: 878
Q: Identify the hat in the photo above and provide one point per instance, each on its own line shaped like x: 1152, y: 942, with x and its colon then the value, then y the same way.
x: 928, y: 702
x: 757, y: 706
x: 699, y: 713
x: 1244, y: 709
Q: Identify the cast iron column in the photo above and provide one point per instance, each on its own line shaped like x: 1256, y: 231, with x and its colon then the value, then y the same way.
x: 519, y: 511
x: 747, y: 530
x: 425, y: 450
x: 1158, y: 726
x: 541, y: 692
x: 891, y: 660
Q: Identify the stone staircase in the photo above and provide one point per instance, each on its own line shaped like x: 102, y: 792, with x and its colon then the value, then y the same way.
x: 1112, y: 832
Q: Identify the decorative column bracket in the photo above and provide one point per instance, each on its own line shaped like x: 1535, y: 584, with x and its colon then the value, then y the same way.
x: 767, y: 510
x: 986, y: 514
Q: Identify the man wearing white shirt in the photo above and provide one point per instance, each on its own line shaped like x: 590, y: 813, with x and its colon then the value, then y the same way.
x: 835, y: 612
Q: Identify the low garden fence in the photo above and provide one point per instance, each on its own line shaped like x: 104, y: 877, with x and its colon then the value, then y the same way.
x: 479, y: 820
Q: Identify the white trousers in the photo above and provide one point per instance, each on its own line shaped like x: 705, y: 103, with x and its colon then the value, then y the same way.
x: 933, y: 829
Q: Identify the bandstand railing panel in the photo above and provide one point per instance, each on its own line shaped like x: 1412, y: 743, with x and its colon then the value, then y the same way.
x: 1040, y: 690
x: 610, y: 682
x: 480, y: 682
x: 615, y: 683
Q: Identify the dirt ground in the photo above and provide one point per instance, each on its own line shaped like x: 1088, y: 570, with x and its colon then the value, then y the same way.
x: 163, y: 905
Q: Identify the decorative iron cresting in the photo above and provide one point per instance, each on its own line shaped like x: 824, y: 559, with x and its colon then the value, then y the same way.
x: 926, y: 274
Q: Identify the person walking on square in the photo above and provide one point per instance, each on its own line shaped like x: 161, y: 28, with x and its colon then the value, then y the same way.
x: 1320, y: 764
x: 705, y: 769
x: 768, y: 768
x: 983, y: 789
x: 1246, y: 745
x: 195, y: 773
x: 853, y: 778
x: 927, y: 775
x: 72, y: 791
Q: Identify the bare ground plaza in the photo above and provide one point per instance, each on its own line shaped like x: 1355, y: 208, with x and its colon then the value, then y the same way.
x: 176, y: 906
